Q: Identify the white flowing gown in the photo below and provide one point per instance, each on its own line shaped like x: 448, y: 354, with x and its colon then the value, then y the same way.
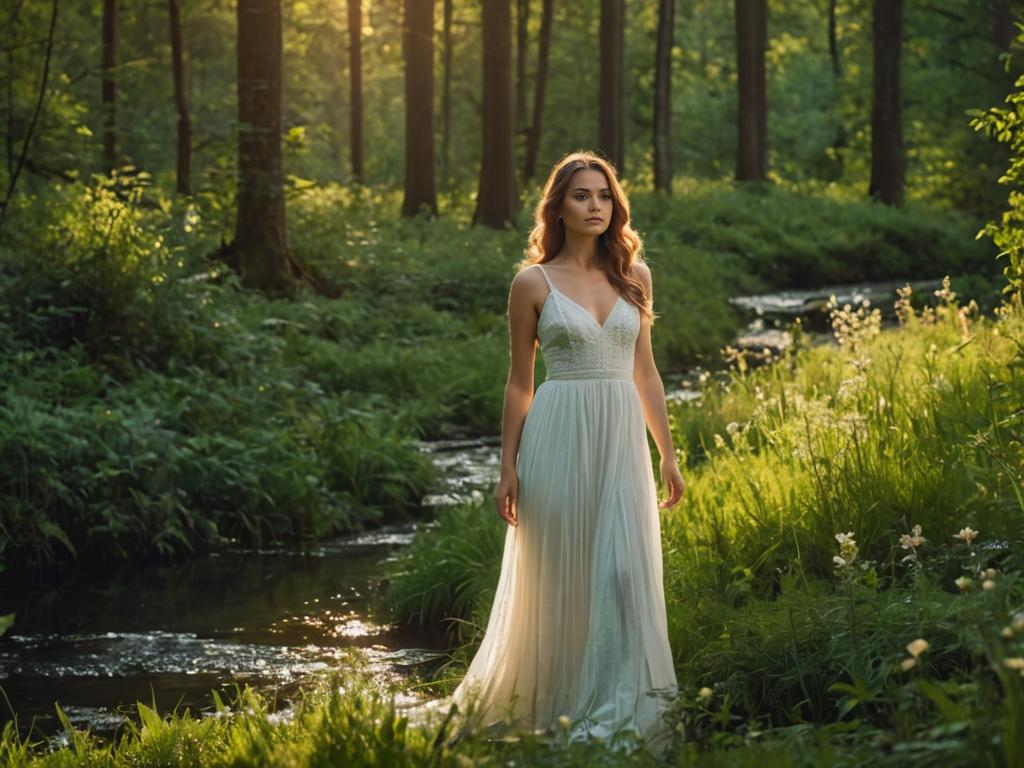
x: 578, y: 627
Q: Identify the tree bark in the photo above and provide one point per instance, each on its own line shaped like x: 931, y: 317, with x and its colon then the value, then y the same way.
x: 496, y: 196
x: 663, y: 99
x: 611, y: 138
x: 108, y: 98
x: 539, y: 88
x: 833, y: 43
x: 355, y: 68
x: 446, y: 94
x: 839, y: 142
x: 751, y: 113
x: 887, y: 158
x: 1002, y: 29
x: 418, y: 43
x: 522, y: 49
x: 260, y: 247
x: 184, y: 169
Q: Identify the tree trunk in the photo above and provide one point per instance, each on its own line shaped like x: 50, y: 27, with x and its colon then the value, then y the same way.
x: 1002, y: 29
x: 522, y: 48
x: 260, y: 246
x: 539, y: 87
x: 446, y: 95
x: 355, y: 68
x: 663, y: 99
x: 611, y: 121
x: 184, y: 170
x: 833, y: 43
x: 9, y: 92
x: 496, y: 196
x: 12, y: 20
x: 887, y: 159
x: 109, y: 85
x: 839, y: 142
x: 751, y: 112
x: 418, y: 42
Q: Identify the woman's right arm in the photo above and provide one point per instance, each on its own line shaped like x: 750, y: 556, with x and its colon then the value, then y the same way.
x: 522, y: 324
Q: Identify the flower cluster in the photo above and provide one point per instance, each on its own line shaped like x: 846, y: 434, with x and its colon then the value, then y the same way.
x: 912, y: 541
x: 1015, y: 663
x: 966, y: 535
x: 852, y: 327
x: 848, y: 551
x: 945, y: 295
x: 736, y: 357
x: 1014, y: 629
x: 904, y: 310
x: 915, y: 648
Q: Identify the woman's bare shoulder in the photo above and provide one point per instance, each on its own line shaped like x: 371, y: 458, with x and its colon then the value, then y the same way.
x: 642, y: 272
x: 528, y: 287
x: 528, y: 277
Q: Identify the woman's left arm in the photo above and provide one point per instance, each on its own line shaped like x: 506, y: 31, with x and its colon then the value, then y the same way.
x: 652, y: 398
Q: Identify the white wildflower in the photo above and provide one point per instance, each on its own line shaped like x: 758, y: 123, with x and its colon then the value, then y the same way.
x: 966, y: 535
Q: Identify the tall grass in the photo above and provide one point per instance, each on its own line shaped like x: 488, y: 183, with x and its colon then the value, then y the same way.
x: 348, y: 719
x: 887, y: 430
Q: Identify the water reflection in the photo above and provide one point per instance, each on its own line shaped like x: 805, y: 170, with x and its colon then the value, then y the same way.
x: 96, y: 641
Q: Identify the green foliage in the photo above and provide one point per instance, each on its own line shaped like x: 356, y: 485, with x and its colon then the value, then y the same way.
x: 1007, y: 126
x: 450, y: 570
x: 790, y: 238
x: 349, y: 719
x: 911, y: 426
x: 153, y: 406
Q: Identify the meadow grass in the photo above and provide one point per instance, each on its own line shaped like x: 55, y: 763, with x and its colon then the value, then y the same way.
x: 832, y: 451
x: 348, y: 718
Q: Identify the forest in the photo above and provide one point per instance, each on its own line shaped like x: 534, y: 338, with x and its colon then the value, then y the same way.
x: 255, y: 260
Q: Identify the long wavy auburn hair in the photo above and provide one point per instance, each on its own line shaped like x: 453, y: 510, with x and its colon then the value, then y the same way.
x: 619, y: 247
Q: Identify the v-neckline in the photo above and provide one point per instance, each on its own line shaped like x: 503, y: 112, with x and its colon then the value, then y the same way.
x: 600, y: 326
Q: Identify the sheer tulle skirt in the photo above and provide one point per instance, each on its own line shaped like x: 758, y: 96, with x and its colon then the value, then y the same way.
x: 578, y: 626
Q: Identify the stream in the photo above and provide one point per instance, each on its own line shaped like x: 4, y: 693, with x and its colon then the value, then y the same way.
x: 97, y: 640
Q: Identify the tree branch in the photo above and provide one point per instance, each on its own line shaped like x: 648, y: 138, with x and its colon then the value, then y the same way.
x: 35, y: 114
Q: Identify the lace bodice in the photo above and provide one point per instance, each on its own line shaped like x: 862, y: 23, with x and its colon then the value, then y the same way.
x: 575, y: 346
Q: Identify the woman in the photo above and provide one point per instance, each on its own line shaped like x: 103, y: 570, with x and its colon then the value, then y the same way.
x: 577, y: 636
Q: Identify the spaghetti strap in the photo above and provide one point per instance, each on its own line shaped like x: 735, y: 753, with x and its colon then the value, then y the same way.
x: 548, y: 279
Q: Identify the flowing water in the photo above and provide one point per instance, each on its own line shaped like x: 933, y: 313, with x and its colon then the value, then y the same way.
x: 98, y: 640
x: 274, y: 617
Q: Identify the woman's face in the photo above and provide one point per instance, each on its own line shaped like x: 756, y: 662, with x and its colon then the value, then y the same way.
x: 587, y: 207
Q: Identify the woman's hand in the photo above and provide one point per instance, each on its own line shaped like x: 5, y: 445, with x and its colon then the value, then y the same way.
x: 672, y: 479
x: 507, y: 496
